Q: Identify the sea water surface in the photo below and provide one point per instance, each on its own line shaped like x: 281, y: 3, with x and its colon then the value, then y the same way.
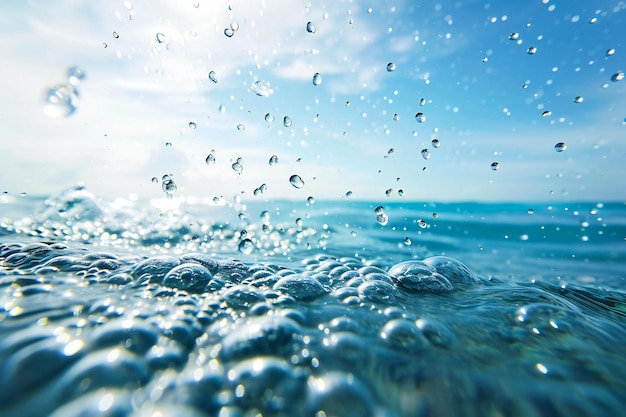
x: 182, y: 307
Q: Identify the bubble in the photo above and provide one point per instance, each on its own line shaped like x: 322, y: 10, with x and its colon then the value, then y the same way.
x: 400, y: 192
x: 495, y: 166
x: 241, y: 127
x: 212, y: 76
x: 229, y: 32
x: 546, y: 113
x: 155, y: 180
x: 339, y: 394
x: 300, y: 287
x: 348, y: 194
x: 168, y: 185
x: 610, y: 52
x: 578, y: 99
x: 396, y: 117
x: 422, y: 224
x: 192, y: 125
x: 435, y: 215
x: 75, y: 75
x: 381, y: 216
x: 191, y: 277
x: 514, y: 36
x: 273, y: 160
x: 420, y: 117
x: 391, y: 67
x: 425, y: 154
x: 210, y: 159
x: 160, y: 38
x: 531, y: 51
x: 60, y: 101
x: 296, y: 181
x: 246, y: 246
x: 287, y: 121
x: 261, y: 88
x: 531, y: 211
x: 618, y: 76
x: 237, y: 166
x: 418, y: 276
x: 310, y: 200
x: 317, y: 79
x: 560, y: 147
x: 310, y: 27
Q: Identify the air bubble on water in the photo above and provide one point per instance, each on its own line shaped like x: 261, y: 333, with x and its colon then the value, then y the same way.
x: 246, y: 246
x: 273, y: 160
x: 60, y: 101
x: 261, y: 88
x: 213, y: 76
x: 514, y: 36
x: 237, y: 167
x: 210, y: 159
x: 287, y: 121
x: 310, y: 27
x: 310, y: 200
x: 229, y: 32
x: 192, y: 125
x: 578, y: 99
x: 160, y: 38
x: 241, y: 127
x: 269, y: 118
x: 546, y: 113
x: 317, y: 79
x: 168, y: 185
x: 435, y: 142
x: 391, y: 67
x: 422, y: 224
x: 422, y: 102
x: 560, y: 147
x: 420, y: 117
x: 407, y: 241
x: 531, y: 211
x: 396, y: 117
x: 381, y: 217
x: 425, y: 154
x: 296, y: 181
x: 75, y: 75
x: 495, y: 166
x: 618, y: 76
x: 610, y: 52
x: 531, y: 51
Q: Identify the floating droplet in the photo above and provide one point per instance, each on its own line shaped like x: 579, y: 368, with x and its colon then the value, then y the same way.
x: 381, y: 217
x: 317, y: 79
x: 435, y: 215
x: 234, y: 26
x: 60, y: 101
x: 168, y: 185
x: 192, y: 125
x: 610, y: 52
x: 396, y: 117
x: 210, y: 159
x: 348, y: 194
x: 420, y: 117
x: 593, y: 20
x: 75, y: 75
x: 287, y: 121
x: 546, y: 113
x: 237, y: 167
x: 241, y: 127
x: 531, y: 211
x: 299, y: 222
x: 391, y: 67
x: 435, y: 142
x: 310, y: 27
x: 246, y: 246
x: 422, y: 224
x: 578, y: 99
x: 422, y: 102
x: 495, y: 166
x: 229, y: 32
x: 160, y: 38
x: 261, y: 88
x: 212, y: 76
x: 400, y: 192
x: 560, y: 147
x: 310, y: 200
x: 116, y: 35
x: 407, y: 241
x: 388, y: 192
x: 273, y: 160
x: 425, y: 154
x: 618, y: 76
x: 155, y: 180
x: 514, y: 36
x: 531, y: 51
x: 296, y: 181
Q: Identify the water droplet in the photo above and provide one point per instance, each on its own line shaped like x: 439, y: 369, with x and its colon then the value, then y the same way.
x: 296, y: 181
x: 422, y: 224
x: 241, y: 127
x: 234, y: 26
x: 269, y: 118
x: 420, y: 117
x: 531, y: 211
x: 196, y: 4
x: 407, y: 241
x: 299, y: 222
x: 546, y: 113
x: 168, y: 144
x: 396, y: 117
x: 435, y: 215
x: 229, y: 32
x: 192, y: 125
x: 261, y: 88
x: 104, y: 45
x: 578, y: 99
x: 237, y: 167
x: 348, y: 194
x: 212, y: 76
x: 116, y: 35
x: 514, y: 36
x: 287, y: 121
x: 531, y: 51
x: 168, y: 185
x: 381, y: 217
x: 160, y: 38
x: 425, y: 154
x: 310, y: 27
x: 400, y: 192
x: 75, y: 75
x: 222, y: 108
x: 388, y: 192
x: 317, y: 79
x: 422, y: 102
x: 246, y: 246
x: 593, y: 20
x: 435, y: 142
x: 391, y: 67
x: 310, y: 200
x: 60, y: 101
x: 155, y: 180
x: 273, y: 160
x: 210, y: 159
x: 610, y: 52
x: 618, y: 76
x: 495, y: 166
x: 560, y: 147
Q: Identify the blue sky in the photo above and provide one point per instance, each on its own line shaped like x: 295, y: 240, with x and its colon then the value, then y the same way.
x: 140, y: 94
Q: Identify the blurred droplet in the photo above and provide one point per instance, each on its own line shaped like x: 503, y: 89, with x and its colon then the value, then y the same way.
x: 531, y: 211
x: 160, y: 38
x: 531, y: 51
x: 578, y: 99
x: 261, y: 88
x: 422, y: 102
x: 495, y: 166
x: 546, y: 113
x: 560, y: 147
x: 168, y: 185
x: 425, y: 154
x: 192, y: 125
x: 287, y: 121
x: 381, y: 217
x: 610, y: 52
x: 75, y: 75
x: 396, y: 117
x: 593, y: 20
x: 391, y: 67
x: 116, y: 35
x: 514, y: 36
x: 407, y: 241
x: 237, y: 167
x: 348, y: 194
x: 241, y: 127
x: 388, y: 192
x: 60, y: 101
x: 420, y: 117
x: 246, y: 246
x: 618, y: 76
x: 310, y: 200
x: 234, y: 26
x: 210, y: 159
x: 435, y: 142
x: 155, y: 180
x: 273, y: 160
x: 296, y: 181
x: 422, y: 224
x: 212, y: 76
x: 317, y: 79
x: 310, y: 27
x: 269, y: 118
x: 229, y: 32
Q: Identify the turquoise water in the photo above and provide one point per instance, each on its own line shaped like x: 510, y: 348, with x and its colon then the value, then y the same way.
x: 185, y: 307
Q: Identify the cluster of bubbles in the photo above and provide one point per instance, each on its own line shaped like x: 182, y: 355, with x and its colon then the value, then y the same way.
x: 231, y: 29
x: 61, y: 100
